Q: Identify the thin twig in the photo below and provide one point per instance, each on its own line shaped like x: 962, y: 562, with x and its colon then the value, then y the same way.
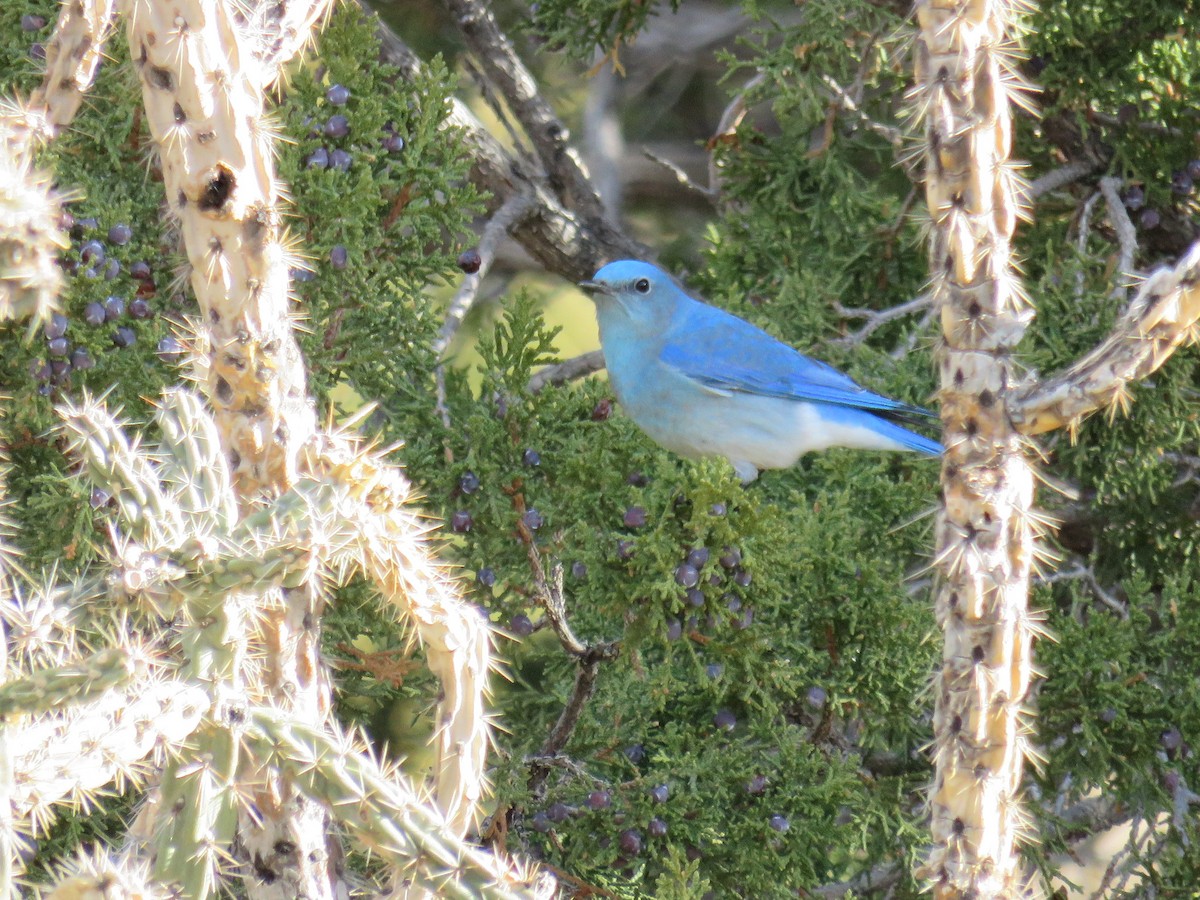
x: 1188, y: 465
x: 567, y: 370
x: 876, y: 318
x: 906, y: 346
x: 681, y: 176
x: 589, y: 657
x: 730, y: 119
x: 1061, y: 177
x: 1182, y: 798
x: 1126, y: 237
x: 1085, y: 227
x: 503, y: 220
x: 877, y: 879
x: 847, y: 103
x: 1087, y: 574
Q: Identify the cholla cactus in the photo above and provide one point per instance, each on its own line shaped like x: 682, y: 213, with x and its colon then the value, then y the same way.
x: 987, y: 529
x: 985, y: 533
x: 231, y: 528
x: 30, y: 236
x: 180, y: 697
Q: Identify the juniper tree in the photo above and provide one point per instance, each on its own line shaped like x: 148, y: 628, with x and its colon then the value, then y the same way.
x: 713, y: 689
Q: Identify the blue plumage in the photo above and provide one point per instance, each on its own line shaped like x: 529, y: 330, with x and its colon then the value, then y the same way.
x: 703, y: 382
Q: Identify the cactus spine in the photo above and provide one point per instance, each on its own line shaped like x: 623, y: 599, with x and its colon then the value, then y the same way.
x: 985, y: 535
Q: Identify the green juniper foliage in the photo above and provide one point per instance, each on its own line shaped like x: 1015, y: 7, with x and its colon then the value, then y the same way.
x: 761, y: 731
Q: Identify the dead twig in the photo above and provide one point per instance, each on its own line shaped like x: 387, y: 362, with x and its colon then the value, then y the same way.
x: 548, y: 591
x: 567, y: 370
x: 876, y: 318
x: 1126, y: 237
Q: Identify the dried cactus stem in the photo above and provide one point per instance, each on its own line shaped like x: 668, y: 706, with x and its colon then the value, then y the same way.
x: 203, y: 90
x: 72, y: 56
x: 30, y: 236
x: 985, y: 535
x: 203, y: 87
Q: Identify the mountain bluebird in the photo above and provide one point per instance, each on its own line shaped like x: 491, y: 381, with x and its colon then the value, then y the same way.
x: 703, y: 382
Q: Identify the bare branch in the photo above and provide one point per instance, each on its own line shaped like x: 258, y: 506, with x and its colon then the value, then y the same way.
x: 1126, y: 236
x: 502, y: 221
x: 876, y: 318
x: 559, y: 236
x: 589, y: 657
x: 847, y: 103
x: 877, y: 879
x: 603, y: 139
x: 730, y: 119
x: 1161, y: 317
x: 681, y: 176
x: 567, y: 370
x: 500, y: 63
x: 1081, y: 239
x: 1061, y: 177
x: 1087, y: 574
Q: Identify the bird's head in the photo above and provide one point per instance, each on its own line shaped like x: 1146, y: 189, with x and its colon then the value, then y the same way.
x: 637, y: 291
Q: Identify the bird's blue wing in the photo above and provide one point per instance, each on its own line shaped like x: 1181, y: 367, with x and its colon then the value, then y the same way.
x: 725, y: 353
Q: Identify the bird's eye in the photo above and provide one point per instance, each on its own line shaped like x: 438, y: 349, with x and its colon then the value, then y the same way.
x: 642, y: 285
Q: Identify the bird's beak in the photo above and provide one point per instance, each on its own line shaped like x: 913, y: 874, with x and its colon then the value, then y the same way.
x: 595, y: 287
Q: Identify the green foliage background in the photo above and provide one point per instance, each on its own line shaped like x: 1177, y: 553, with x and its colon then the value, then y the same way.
x: 820, y: 642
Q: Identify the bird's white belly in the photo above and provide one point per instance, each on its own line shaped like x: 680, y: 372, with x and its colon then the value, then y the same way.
x: 765, y: 432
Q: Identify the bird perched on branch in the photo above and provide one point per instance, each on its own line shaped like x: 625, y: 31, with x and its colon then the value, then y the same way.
x: 702, y: 382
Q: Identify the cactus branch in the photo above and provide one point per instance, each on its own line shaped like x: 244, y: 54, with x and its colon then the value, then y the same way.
x: 30, y: 231
x: 283, y: 28
x: 198, y: 790
x: 8, y: 842
x: 72, y: 57
x: 204, y: 93
x: 394, y: 553
x: 206, y: 112
x: 1161, y: 318
x: 55, y: 688
x: 97, y: 875
x: 380, y: 810
x: 69, y: 757
x: 985, y: 531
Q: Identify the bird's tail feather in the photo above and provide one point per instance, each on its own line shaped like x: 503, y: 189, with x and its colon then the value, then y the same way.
x: 910, y: 440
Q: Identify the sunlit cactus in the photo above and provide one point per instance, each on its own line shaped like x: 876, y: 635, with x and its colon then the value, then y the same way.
x: 181, y: 699
x: 30, y: 234
x: 230, y: 529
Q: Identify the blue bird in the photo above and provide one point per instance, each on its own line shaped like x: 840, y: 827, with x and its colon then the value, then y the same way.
x: 702, y: 382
